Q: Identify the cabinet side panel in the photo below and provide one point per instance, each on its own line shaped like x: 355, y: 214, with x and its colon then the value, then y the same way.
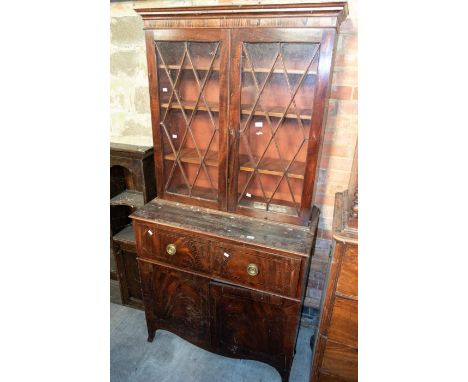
x: 322, y: 90
x: 154, y: 105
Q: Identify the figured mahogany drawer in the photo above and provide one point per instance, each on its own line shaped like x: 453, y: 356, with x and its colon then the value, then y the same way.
x: 173, y: 248
x: 341, y: 361
x: 344, y: 322
x: 257, y: 269
x: 348, y: 279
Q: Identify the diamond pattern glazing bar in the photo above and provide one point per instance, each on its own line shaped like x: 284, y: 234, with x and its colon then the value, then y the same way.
x: 185, y: 73
x: 264, y: 148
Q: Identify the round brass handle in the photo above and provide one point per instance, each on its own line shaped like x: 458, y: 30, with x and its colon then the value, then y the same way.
x: 171, y: 249
x: 252, y: 270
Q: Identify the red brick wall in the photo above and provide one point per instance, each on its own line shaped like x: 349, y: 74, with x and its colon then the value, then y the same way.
x: 338, y: 149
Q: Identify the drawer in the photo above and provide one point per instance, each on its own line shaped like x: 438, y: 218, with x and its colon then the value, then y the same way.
x: 344, y: 322
x: 341, y: 361
x: 146, y: 240
x: 173, y: 248
x: 348, y: 279
x: 256, y: 269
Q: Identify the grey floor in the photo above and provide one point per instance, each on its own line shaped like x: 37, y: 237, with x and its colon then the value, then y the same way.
x: 171, y: 359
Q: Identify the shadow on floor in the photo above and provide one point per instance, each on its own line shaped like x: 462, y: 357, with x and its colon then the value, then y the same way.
x: 171, y: 359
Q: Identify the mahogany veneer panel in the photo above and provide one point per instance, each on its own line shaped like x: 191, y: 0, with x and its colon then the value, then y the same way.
x: 192, y: 252
x: 175, y: 301
x: 344, y: 322
x: 276, y: 274
x: 341, y: 360
x: 348, y: 282
x: 241, y: 328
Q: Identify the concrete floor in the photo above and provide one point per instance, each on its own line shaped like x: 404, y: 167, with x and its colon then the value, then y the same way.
x: 171, y: 359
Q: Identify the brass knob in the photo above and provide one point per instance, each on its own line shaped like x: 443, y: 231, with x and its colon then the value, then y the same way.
x: 171, y: 249
x: 252, y: 270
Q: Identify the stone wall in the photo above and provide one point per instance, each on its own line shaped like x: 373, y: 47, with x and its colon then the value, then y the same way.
x: 129, y: 101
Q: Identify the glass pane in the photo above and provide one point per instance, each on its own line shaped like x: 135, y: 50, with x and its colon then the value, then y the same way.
x: 277, y: 94
x: 188, y: 74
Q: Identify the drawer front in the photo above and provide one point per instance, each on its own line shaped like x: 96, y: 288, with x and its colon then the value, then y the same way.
x: 341, y: 361
x: 191, y: 253
x: 344, y: 322
x: 173, y: 248
x: 348, y: 279
x: 147, y: 240
x: 257, y: 269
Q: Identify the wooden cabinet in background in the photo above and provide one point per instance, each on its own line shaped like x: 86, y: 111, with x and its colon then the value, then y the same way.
x: 238, y: 98
x: 132, y: 184
x: 335, y: 356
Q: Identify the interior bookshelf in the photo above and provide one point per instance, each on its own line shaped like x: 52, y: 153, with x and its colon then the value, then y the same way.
x: 257, y: 138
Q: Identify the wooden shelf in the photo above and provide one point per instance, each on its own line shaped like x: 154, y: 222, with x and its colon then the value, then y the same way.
x: 276, y: 205
x: 273, y: 166
x: 128, y: 198
x: 197, y: 192
x: 249, y: 70
x: 125, y: 235
x: 276, y: 112
x: 191, y: 156
x: 269, y: 166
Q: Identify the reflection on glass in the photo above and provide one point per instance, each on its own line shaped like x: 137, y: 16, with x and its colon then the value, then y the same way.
x: 277, y: 94
x: 188, y: 74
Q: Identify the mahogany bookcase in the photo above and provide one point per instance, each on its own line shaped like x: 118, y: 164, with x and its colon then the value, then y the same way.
x: 238, y: 99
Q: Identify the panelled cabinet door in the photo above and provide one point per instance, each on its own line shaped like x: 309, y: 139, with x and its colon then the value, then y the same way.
x: 176, y: 301
x: 249, y: 324
x: 276, y: 116
x: 189, y: 104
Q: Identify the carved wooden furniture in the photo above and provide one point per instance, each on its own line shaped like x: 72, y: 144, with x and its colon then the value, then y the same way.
x: 132, y: 185
x: 336, y: 345
x: 238, y: 97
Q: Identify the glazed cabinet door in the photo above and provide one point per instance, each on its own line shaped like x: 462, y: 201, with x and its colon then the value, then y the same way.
x: 175, y: 301
x: 249, y: 324
x: 188, y: 79
x: 279, y: 82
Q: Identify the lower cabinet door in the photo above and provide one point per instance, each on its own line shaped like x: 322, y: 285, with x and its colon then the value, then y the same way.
x: 250, y: 324
x: 129, y: 277
x: 176, y: 301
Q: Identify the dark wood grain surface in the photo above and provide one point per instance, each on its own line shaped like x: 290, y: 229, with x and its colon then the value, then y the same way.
x: 247, y: 230
x: 130, y: 151
x: 335, y: 355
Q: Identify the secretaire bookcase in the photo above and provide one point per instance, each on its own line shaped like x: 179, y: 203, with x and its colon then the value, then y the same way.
x: 238, y: 98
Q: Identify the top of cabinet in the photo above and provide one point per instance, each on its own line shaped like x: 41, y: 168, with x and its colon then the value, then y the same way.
x: 131, y: 151
x: 224, y: 8
x: 342, y: 231
x: 241, y: 229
